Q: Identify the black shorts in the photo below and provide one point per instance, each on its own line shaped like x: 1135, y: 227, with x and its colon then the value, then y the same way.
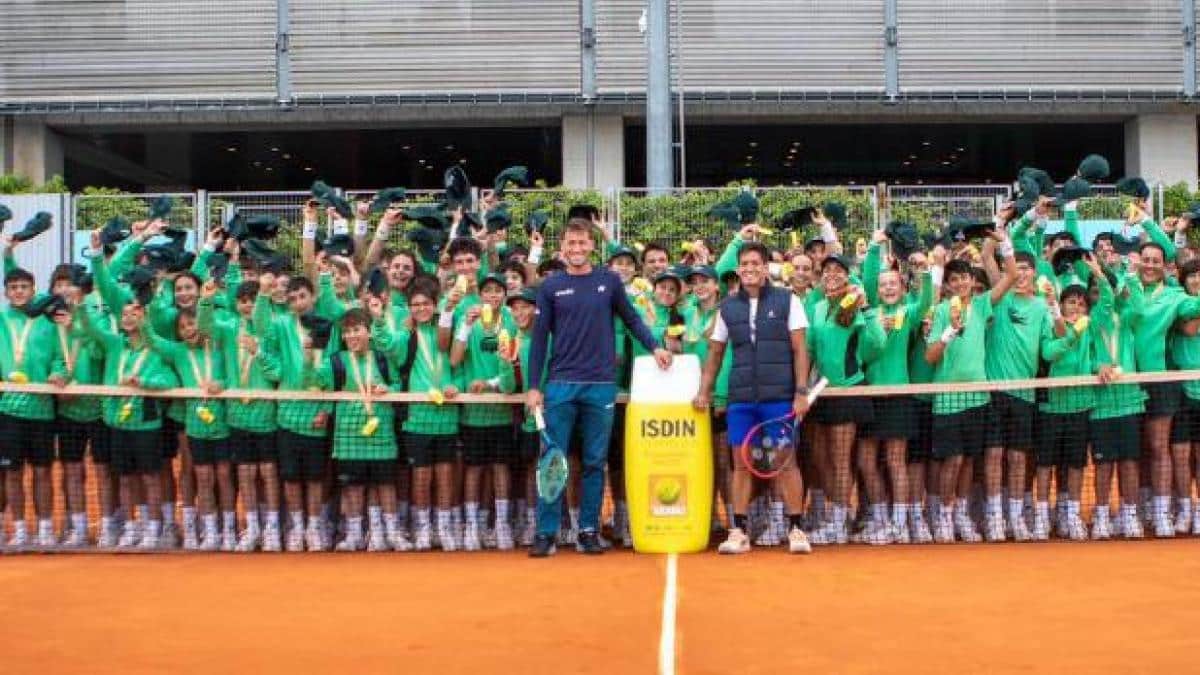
x: 529, y: 447
x: 1163, y: 399
x: 616, y: 441
x: 102, y: 444
x: 1062, y: 439
x: 720, y: 424
x: 1116, y: 438
x: 301, y: 458
x: 136, y: 452
x: 920, y: 446
x: 24, y: 441
x: 74, y: 437
x: 959, y: 433
x: 1009, y: 422
x: 843, y: 410
x: 253, y: 447
x: 487, y: 445
x: 209, y: 451
x: 1185, y: 428
x: 895, y: 418
x: 170, y: 437
x: 366, y: 471
x: 424, y: 450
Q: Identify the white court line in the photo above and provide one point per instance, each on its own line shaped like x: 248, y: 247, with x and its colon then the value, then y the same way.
x: 666, y: 640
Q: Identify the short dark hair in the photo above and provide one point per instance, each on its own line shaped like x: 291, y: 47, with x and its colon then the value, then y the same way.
x: 517, y: 267
x: 464, y: 245
x: 1152, y: 244
x: 958, y: 266
x: 300, y: 283
x: 579, y: 225
x: 1076, y: 289
x: 1025, y: 257
x: 755, y: 247
x: 184, y: 313
x: 550, y: 266
x: 356, y: 317
x: 18, y: 275
x: 1188, y: 269
x: 654, y: 246
x: 189, y: 275
x: 423, y: 285
x: 248, y: 290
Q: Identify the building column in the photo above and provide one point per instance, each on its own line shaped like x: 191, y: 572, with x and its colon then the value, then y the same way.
x: 1162, y: 149
x: 171, y: 156
x: 37, y: 151
x: 593, y: 151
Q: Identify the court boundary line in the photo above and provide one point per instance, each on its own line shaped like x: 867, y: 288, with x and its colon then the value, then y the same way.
x: 666, y: 639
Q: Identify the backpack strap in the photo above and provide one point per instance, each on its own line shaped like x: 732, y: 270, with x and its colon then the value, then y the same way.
x: 339, y: 371
x: 406, y: 366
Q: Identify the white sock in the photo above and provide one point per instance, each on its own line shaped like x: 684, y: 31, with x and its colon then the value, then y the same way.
x: 443, y: 519
x: 297, y: 519
x: 456, y: 516
x: 914, y: 512
x: 273, y: 519
x: 1162, y: 505
x: 1016, y: 509
x: 389, y: 522
x: 314, y: 522
x: 899, y: 513
x: 327, y: 512
x: 189, y: 518
x: 962, y: 508
x: 422, y: 517
x: 993, y: 505
x: 19, y: 527
x: 502, y: 511
x: 402, y: 510
x: 1185, y: 504
x: 484, y: 518
x: 354, y: 528
x: 252, y: 521
x: 153, y: 527
x: 878, y: 513
x: 106, y: 524
x: 933, y: 504
x: 79, y: 522
x: 168, y: 513
x: 143, y: 512
x: 229, y: 521
x: 1043, y: 509
x: 375, y: 517
x: 1072, y: 508
x: 210, y: 523
x: 839, y: 515
x: 472, y: 509
x: 45, y: 526
x: 574, y: 516
x: 1028, y: 501
x: 530, y: 515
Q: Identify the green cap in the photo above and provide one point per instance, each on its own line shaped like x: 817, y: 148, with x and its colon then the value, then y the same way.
x: 836, y: 213
x: 161, y: 207
x: 433, y: 217
x: 494, y: 278
x: 387, y: 197
x: 5, y: 215
x: 527, y: 294
x: 458, y: 188
x: 319, y: 329
x: 376, y: 281
x: 537, y: 221
x: 904, y: 237
x: 339, y: 244
x: 1093, y: 169
x: 704, y: 271
x: 429, y: 242
x: 620, y: 251
x: 265, y: 256
x: 498, y: 218
x: 1075, y: 188
x: 36, y: 225
x: 1134, y: 186
x: 1065, y: 257
x: 1043, y: 180
x: 516, y: 175
x: 329, y: 197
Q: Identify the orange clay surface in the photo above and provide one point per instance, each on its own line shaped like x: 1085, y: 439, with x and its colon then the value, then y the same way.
x: 1061, y: 608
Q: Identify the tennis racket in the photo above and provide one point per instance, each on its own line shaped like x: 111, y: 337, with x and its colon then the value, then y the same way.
x: 552, y: 470
x: 770, y: 446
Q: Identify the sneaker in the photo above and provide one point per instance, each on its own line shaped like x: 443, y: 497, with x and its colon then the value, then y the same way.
x: 798, y: 541
x: 528, y: 532
x: 964, y: 527
x: 295, y: 540
x: 446, y: 539
x: 1060, y: 523
x: 504, y: 537
x: 1020, y: 531
x: 248, y: 542
x: 1041, y: 526
x: 423, y: 539
x: 832, y: 532
x: 1183, y: 521
x: 398, y: 540
x: 170, y: 538
x: 271, y: 541
x: 588, y: 542
x: 900, y: 533
x: 129, y: 535
x: 543, y: 546
x: 919, y: 529
x: 736, y: 542
x: 191, y: 542
x: 1163, y: 526
x: 349, y: 544
x: 377, y: 542
x: 149, y: 542
x: 1133, y: 528
x: 1076, y: 531
x: 623, y: 534
x: 567, y: 536
x: 1196, y: 521
x: 487, y: 538
x: 878, y: 534
x: 76, y: 539
x: 210, y: 542
x: 107, y: 537
x: 994, y: 528
x: 767, y: 538
x: 228, y: 541
x: 1101, y: 525
x: 313, y: 540
x: 470, y: 539
x: 46, y: 539
x: 943, y: 528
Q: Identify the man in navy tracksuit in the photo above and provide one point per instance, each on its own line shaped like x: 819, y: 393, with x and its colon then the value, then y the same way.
x: 575, y: 316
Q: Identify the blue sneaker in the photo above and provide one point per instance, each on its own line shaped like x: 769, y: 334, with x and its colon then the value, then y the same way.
x: 543, y: 546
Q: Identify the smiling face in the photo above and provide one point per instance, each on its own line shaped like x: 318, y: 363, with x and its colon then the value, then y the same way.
x: 577, y: 247
x: 400, y: 271
x: 752, y: 269
x: 131, y: 317
x: 961, y: 284
x: 666, y: 292
x: 891, y: 287
x: 654, y: 262
x: 1073, y: 307
x: 421, y: 307
x: 802, y: 275
x: 357, y: 337
x: 186, y: 292
x: 1025, y: 276
x: 624, y: 266
x: 523, y: 313
x: 18, y: 292
x: 834, y: 278
x: 1152, y: 265
x: 466, y: 263
x: 187, y: 329
x: 704, y: 288
x: 493, y: 294
x: 300, y: 301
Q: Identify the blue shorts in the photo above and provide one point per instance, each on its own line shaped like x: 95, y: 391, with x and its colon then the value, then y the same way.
x: 741, y: 417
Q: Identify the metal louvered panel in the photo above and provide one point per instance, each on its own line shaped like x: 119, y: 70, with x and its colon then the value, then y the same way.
x: 111, y: 49
x: 370, y: 46
x: 733, y: 45
x: 1040, y: 44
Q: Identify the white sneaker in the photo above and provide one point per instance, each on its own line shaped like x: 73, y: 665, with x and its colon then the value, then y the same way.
x: 129, y: 535
x: 470, y: 539
x: 228, y: 541
x: 1183, y: 521
x: 210, y: 542
x: 1101, y: 525
x: 446, y: 539
x: 1060, y: 523
x: 1041, y: 526
x: 351, y: 543
x: 1196, y: 521
x: 736, y: 542
x: 398, y: 540
x: 567, y: 536
x: 149, y: 541
x: 798, y: 541
x: 918, y: 528
x: 1163, y: 526
x: 248, y: 542
x: 943, y: 528
x: 46, y: 539
x: 169, y: 539
x: 295, y: 540
x: 832, y: 532
x: 1076, y: 531
x: 1020, y: 532
x: 900, y: 533
x: 271, y: 542
x: 504, y: 537
x: 108, y: 537
x: 377, y: 542
x: 487, y: 538
x: 994, y: 528
x: 1133, y: 528
x: 313, y: 540
x: 767, y: 538
x: 964, y: 527
x: 878, y: 534
x: 528, y: 531
x: 76, y: 539
x: 421, y: 542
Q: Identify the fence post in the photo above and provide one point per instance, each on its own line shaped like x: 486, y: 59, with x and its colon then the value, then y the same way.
x: 1159, y: 206
x: 1188, y: 10
x: 200, y: 216
x: 882, y: 206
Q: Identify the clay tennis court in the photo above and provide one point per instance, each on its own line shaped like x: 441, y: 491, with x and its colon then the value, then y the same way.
x: 1059, y: 607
